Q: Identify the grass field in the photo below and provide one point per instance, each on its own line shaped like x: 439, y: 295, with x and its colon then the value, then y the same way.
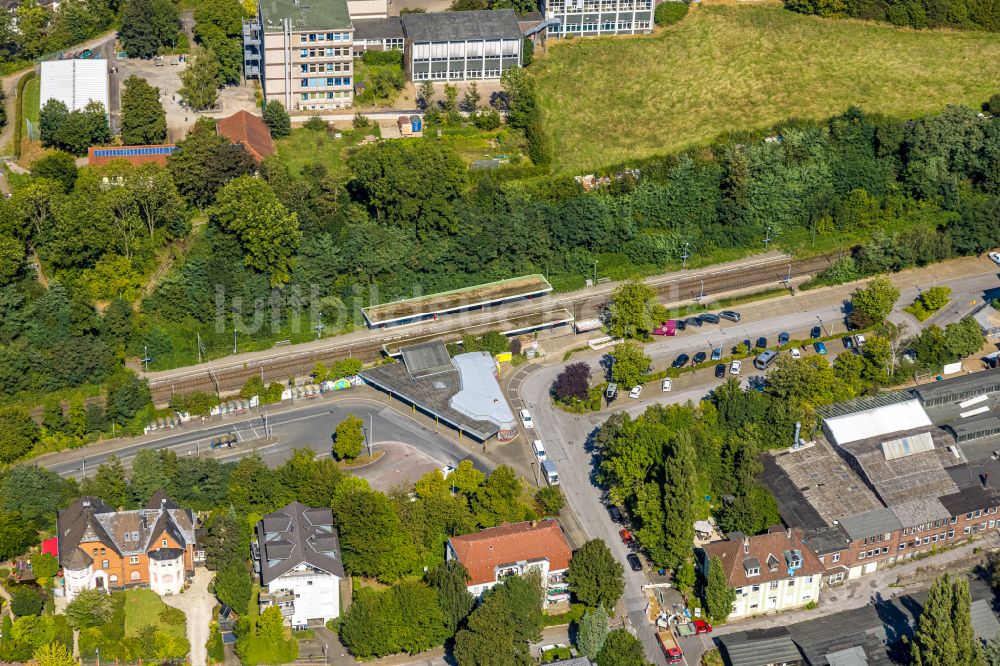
x: 726, y: 68
x: 30, y: 106
x: 142, y: 607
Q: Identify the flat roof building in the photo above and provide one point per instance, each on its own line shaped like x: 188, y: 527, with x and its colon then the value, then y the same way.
x: 301, y: 52
x: 462, y: 391
x: 134, y: 155
x: 576, y: 18
x: 460, y: 46
x: 75, y: 82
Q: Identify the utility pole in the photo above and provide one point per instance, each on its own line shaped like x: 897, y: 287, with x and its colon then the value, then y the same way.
x: 702, y: 294
x: 685, y: 256
x: 595, y: 271
x: 145, y: 358
x: 198, y: 335
x: 767, y: 238
x: 234, y: 338
x: 319, y: 327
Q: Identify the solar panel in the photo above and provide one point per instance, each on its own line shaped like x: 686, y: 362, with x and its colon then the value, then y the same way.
x: 137, y: 150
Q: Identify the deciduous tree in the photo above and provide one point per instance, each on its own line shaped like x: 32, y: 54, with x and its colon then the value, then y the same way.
x: 629, y: 362
x: 267, y: 232
x: 143, y: 120
x: 572, y: 382
x: 450, y: 579
x: 201, y: 80
x: 276, y: 118
x: 147, y: 25
x: 621, y: 649
x: 348, y: 439
x: 944, y: 633
x: 634, y: 310
x: 595, y: 577
x: 18, y: 433
x: 872, y: 303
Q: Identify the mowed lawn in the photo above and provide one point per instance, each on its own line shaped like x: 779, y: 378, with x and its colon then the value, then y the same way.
x: 606, y: 100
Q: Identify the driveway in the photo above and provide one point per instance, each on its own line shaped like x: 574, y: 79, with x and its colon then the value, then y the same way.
x: 197, y: 603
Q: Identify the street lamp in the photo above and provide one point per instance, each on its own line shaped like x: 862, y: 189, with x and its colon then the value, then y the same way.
x: 319, y: 327
x: 821, y: 327
x: 767, y: 238
x: 369, y: 433
x: 685, y: 256
x: 595, y: 271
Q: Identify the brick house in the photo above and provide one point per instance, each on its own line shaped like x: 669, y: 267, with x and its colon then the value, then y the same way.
x: 111, y: 550
x: 515, y: 549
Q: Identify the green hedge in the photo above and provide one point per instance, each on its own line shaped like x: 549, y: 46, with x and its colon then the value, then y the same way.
x: 669, y: 13
x: 19, y: 110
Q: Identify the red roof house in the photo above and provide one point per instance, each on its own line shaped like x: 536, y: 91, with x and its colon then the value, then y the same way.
x: 494, y: 554
x: 249, y: 130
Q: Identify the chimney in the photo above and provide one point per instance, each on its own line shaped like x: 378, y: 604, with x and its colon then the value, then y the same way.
x: 788, y: 533
x: 163, y: 502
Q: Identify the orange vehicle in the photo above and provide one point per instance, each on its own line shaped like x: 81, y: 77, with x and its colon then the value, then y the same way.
x: 669, y: 646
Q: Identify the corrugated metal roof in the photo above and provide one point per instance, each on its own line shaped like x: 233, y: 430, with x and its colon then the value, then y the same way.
x: 877, y: 421
x: 760, y: 647
x: 907, y: 446
x: 870, y: 523
x: 74, y: 82
x: 457, y: 26
x: 852, y: 656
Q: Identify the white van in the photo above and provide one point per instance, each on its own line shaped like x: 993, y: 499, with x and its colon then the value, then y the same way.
x: 538, y: 449
x: 550, y: 473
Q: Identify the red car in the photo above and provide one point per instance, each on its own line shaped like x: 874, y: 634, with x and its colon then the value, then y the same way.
x: 702, y: 627
x: 626, y: 536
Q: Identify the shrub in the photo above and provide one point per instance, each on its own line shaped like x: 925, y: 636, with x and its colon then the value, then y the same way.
x: 669, y: 13
x: 172, y: 616
x: 216, y: 650
x: 316, y: 123
x: 199, y: 403
x: 26, y: 601
x: 383, y: 58
x: 572, y: 382
x: 360, y: 121
x: 550, y: 500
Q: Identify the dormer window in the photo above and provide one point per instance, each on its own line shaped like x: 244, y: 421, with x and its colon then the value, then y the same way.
x: 751, y: 565
x: 753, y: 572
x: 772, y: 563
x: 128, y: 536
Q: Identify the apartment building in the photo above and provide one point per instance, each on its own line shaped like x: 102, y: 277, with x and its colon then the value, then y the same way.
x: 583, y: 18
x: 111, y: 550
x: 301, y: 51
x: 515, y: 549
x: 769, y: 572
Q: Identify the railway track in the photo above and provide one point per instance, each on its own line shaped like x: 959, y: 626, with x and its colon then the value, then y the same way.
x: 228, y: 376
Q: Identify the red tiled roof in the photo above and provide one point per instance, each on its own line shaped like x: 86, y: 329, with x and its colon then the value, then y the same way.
x: 761, y: 548
x: 508, y: 544
x: 248, y: 129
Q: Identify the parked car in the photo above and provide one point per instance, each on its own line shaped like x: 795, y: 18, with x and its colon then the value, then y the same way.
x: 626, y: 537
x: 538, y: 449
x: 816, y: 333
x: 762, y: 342
x: 820, y: 348
x: 84, y: 54
x: 526, y: 419
x: 796, y: 353
x: 693, y: 321
x: 709, y: 318
x: 702, y: 627
x: 730, y: 315
x: 634, y: 393
x: 748, y: 345
x: 699, y: 358
x: 720, y: 370
x: 783, y: 338
x: 634, y: 562
x: 667, y: 385
x: 681, y: 325
x: 995, y: 256
x: 859, y: 340
x: 611, y: 392
x: 717, y: 353
x: 615, y: 513
x: 734, y: 367
x: 680, y: 361
x: 848, y: 342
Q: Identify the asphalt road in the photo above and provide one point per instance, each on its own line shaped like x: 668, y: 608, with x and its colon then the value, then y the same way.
x: 566, y: 435
x: 310, y: 425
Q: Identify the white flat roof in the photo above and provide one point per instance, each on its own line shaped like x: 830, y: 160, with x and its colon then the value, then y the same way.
x: 480, y: 397
x: 877, y: 421
x: 75, y: 82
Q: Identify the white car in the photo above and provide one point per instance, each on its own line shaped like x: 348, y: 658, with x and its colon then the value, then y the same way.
x: 538, y: 449
x: 734, y: 368
x: 995, y: 256
x: 526, y: 419
x: 634, y: 393
x: 796, y: 353
x: 859, y: 340
x: 667, y: 385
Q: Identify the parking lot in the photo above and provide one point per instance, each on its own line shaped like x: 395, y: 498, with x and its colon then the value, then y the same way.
x: 165, y: 75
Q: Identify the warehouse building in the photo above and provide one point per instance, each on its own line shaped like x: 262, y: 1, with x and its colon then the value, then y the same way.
x: 302, y: 53
x: 461, y: 46
x: 75, y: 82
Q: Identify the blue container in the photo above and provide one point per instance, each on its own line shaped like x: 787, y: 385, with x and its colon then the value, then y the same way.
x: 415, y: 123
